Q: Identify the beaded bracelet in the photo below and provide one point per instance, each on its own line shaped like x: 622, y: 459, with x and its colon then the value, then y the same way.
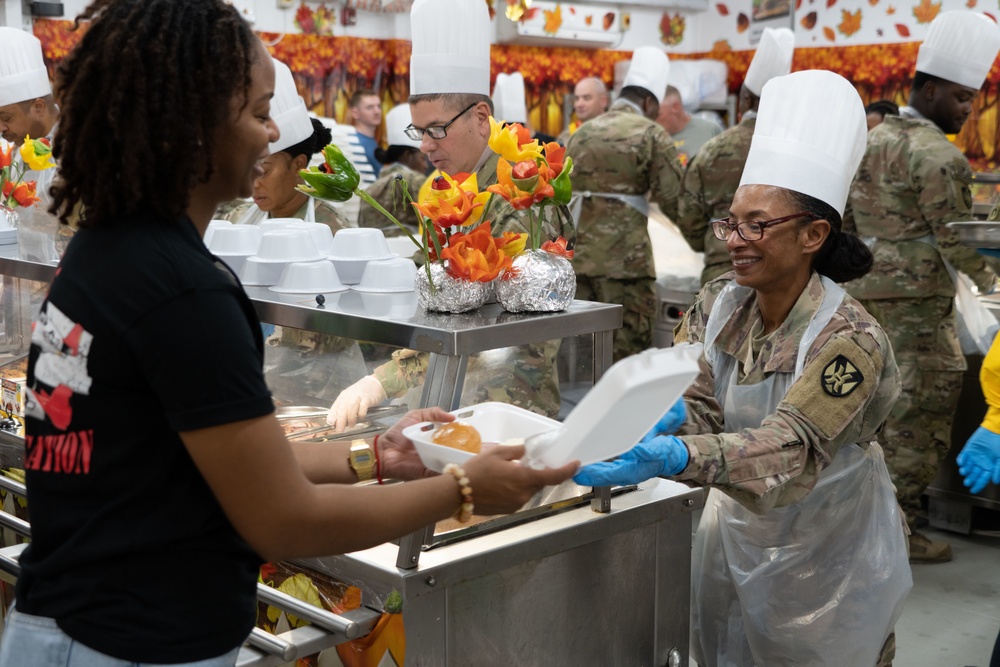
x: 465, y: 509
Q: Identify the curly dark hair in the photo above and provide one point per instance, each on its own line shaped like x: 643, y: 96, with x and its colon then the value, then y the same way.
x: 312, y: 144
x: 142, y: 95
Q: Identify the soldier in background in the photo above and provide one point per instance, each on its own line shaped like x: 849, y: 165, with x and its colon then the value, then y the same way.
x: 366, y: 115
x: 711, y: 178
x: 689, y: 132
x: 590, y: 100
x: 450, y: 109
x: 618, y: 158
x: 876, y: 112
x: 911, y: 183
x: 404, y: 162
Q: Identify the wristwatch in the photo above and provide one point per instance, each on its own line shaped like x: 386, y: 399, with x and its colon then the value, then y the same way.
x: 362, y: 460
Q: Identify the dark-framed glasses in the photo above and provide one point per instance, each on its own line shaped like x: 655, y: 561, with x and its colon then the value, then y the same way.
x: 752, y: 230
x: 434, y: 131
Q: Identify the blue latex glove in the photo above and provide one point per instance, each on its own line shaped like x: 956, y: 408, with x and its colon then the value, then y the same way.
x: 979, y: 460
x: 663, y: 455
x: 989, y: 252
x: 670, y: 422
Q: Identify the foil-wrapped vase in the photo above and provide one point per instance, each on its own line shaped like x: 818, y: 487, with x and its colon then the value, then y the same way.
x: 449, y: 294
x: 9, y: 220
x: 538, y: 281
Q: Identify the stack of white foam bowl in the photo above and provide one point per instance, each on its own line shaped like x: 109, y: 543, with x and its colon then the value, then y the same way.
x: 210, y: 230
x: 277, y: 250
x: 233, y: 244
x: 386, y: 288
x: 309, y: 278
x: 353, y: 249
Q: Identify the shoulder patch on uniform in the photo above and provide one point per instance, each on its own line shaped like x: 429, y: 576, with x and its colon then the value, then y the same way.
x: 967, y: 196
x: 841, y: 377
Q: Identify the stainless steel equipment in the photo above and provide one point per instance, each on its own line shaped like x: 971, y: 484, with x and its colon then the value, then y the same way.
x: 584, y: 579
x: 563, y: 587
x: 672, y: 307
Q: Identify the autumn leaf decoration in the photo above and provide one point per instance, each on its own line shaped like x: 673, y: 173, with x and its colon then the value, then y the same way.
x: 850, y: 22
x: 902, y: 30
x: 672, y: 29
x: 829, y: 33
x: 553, y: 20
x: 926, y: 11
x: 722, y: 9
x: 809, y: 21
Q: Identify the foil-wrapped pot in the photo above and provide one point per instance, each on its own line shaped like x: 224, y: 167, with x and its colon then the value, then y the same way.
x: 538, y: 281
x: 449, y: 294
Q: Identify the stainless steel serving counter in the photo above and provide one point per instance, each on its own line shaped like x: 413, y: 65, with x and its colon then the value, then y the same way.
x: 571, y: 587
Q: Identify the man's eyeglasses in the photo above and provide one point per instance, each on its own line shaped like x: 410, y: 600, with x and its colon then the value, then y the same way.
x: 434, y: 131
x: 751, y: 230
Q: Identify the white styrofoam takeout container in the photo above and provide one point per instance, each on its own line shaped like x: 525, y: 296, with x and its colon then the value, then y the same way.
x: 611, y: 418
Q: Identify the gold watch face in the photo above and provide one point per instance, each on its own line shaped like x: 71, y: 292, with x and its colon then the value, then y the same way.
x: 362, y: 460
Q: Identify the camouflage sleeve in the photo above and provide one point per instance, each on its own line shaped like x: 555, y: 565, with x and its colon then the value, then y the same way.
x: 945, y: 196
x: 692, y: 211
x: 779, y: 463
x: 664, y: 171
x: 405, y: 370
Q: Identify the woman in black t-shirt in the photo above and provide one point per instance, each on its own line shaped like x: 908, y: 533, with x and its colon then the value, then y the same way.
x: 158, y: 477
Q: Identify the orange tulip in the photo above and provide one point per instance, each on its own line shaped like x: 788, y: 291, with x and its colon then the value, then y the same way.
x: 512, y: 244
x: 24, y: 194
x: 555, y: 153
x: 522, y: 185
x: 558, y: 247
x: 453, y: 201
x: 513, y: 142
x: 6, y: 156
x: 475, y: 256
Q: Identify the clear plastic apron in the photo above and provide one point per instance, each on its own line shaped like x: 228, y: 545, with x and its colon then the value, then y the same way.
x: 819, y: 582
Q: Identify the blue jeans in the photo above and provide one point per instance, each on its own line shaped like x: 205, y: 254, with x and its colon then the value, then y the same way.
x: 36, y: 641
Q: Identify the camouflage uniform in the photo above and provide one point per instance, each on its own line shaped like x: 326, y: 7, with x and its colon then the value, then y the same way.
x: 709, y: 185
x: 911, y: 183
x: 622, y: 152
x: 390, y: 195
x: 524, y: 376
x: 779, y: 463
x: 324, y: 212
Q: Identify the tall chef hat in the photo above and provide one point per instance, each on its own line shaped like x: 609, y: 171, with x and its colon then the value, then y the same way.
x: 810, y: 136
x: 650, y: 69
x: 288, y: 110
x: 22, y: 68
x: 508, y: 98
x: 773, y: 58
x: 396, y: 122
x: 960, y: 47
x: 451, y: 47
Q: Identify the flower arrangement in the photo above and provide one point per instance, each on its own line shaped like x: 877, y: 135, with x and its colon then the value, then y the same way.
x: 37, y: 156
x: 455, y: 236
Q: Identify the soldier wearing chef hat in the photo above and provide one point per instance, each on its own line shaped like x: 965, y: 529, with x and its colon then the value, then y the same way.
x: 711, y: 179
x: 619, y: 158
x: 450, y: 111
x: 911, y: 184
x: 27, y: 107
x: 401, y: 161
x: 800, y: 557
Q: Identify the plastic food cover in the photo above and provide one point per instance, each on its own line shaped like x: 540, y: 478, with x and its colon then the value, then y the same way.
x: 625, y: 403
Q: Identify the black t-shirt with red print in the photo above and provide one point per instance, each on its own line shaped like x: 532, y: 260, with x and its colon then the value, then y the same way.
x: 144, y: 335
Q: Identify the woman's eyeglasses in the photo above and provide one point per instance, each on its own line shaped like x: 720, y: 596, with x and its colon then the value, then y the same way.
x: 751, y: 230
x: 435, y: 131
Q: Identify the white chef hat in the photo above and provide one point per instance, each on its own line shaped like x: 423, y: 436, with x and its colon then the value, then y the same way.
x: 22, y: 68
x: 288, y: 110
x: 396, y: 122
x: 451, y: 47
x: 810, y: 136
x: 508, y: 98
x: 960, y: 47
x: 772, y: 58
x: 650, y: 69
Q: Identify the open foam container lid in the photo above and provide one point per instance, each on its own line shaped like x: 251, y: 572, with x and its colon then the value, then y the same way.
x: 622, y: 407
x: 611, y: 418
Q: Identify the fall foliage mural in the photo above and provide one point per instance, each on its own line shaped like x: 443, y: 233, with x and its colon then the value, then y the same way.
x: 329, y: 69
